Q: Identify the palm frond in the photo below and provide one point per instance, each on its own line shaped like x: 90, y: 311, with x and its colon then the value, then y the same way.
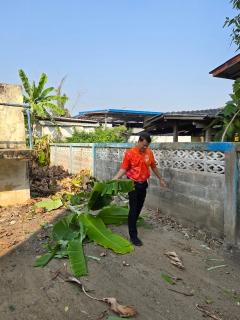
x: 53, y: 107
x: 33, y: 95
x: 41, y: 84
x: 54, y: 122
x: 37, y: 109
x: 25, y: 99
x: 46, y: 91
x: 25, y: 82
x: 56, y: 98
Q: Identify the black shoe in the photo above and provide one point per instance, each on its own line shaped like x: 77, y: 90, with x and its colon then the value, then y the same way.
x: 136, y: 241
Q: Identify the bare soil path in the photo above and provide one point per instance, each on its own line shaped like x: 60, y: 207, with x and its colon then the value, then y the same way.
x: 29, y: 293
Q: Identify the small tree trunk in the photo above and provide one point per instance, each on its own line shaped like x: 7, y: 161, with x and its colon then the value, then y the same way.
x: 225, y: 131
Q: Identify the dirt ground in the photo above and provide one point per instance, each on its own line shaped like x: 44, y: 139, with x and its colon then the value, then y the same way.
x: 28, y: 292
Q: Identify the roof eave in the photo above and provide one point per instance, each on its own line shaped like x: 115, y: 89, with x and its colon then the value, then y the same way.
x: 219, y: 71
x: 184, y: 117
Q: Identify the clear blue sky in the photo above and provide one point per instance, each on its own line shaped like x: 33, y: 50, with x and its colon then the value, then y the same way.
x: 150, y: 55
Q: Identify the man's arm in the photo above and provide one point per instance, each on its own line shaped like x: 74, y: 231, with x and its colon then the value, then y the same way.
x: 157, y: 173
x: 120, y: 173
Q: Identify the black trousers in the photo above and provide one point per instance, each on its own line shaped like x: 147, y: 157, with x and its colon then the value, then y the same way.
x: 136, y: 201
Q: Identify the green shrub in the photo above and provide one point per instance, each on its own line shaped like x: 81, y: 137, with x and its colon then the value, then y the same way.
x: 99, y: 135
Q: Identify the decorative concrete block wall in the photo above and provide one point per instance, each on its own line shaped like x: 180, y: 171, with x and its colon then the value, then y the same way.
x: 195, y: 184
x: 202, y: 180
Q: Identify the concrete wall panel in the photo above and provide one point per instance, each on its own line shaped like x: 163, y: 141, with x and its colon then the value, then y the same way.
x: 14, y: 183
x: 11, y: 120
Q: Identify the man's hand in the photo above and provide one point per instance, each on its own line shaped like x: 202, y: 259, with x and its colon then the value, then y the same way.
x: 163, y: 183
x: 157, y: 173
x: 120, y: 173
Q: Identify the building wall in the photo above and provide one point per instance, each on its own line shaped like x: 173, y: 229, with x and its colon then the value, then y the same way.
x: 66, y: 129
x: 11, y: 119
x: 43, y: 127
x: 158, y: 139
x: 202, y: 181
x: 14, y: 182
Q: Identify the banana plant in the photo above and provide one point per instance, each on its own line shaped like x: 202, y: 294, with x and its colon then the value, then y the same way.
x: 41, y: 103
x: 227, y: 120
x: 38, y: 97
x: 71, y: 232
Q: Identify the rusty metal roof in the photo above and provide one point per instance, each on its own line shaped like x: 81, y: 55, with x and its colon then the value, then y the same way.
x: 186, y: 114
x: 65, y: 119
x: 229, y: 69
x: 187, y: 120
x: 133, y: 118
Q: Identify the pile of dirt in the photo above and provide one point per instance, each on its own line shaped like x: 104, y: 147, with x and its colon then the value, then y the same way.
x: 49, y: 180
x: 44, y: 180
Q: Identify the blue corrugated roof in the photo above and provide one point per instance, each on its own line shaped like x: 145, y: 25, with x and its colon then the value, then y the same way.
x: 109, y: 111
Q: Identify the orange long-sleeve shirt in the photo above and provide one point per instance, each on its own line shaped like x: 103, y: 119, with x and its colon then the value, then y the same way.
x: 137, y: 164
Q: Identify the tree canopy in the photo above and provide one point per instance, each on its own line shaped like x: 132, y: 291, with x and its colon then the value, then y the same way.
x: 38, y: 97
x: 234, y: 23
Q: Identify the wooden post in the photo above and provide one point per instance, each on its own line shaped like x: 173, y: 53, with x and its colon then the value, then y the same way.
x: 208, y: 135
x: 105, y: 120
x: 175, y: 131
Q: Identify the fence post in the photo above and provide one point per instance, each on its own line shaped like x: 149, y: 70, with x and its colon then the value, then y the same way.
x: 230, y: 203
x: 94, y: 159
x: 71, y: 158
x: 56, y: 155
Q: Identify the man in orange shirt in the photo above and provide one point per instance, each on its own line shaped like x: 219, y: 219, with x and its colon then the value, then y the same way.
x: 135, y: 166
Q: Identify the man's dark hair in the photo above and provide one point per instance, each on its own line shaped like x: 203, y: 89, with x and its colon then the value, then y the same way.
x: 145, y: 136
